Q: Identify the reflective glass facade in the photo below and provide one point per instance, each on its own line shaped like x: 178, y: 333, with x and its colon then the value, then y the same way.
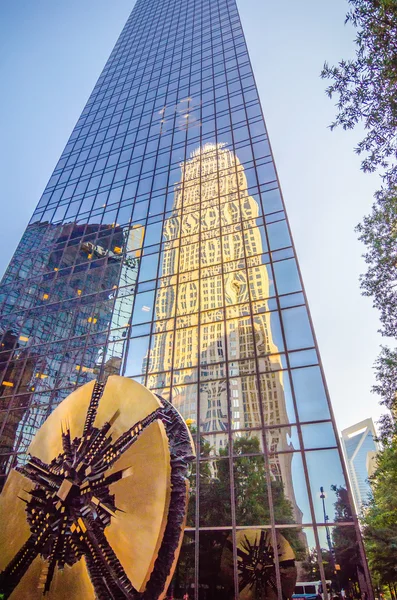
x: 360, y: 448
x: 160, y: 250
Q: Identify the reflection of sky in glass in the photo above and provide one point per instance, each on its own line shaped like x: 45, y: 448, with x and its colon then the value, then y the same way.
x: 291, y: 300
x: 319, y: 435
x: 290, y: 434
x: 297, y: 328
x: 299, y: 486
x: 293, y: 438
x: 138, y: 352
x: 278, y: 235
x: 303, y: 358
x: 143, y: 308
x: 310, y: 394
x: 289, y: 403
x: 287, y: 276
x: 153, y: 233
x: 325, y: 469
x: 148, y: 269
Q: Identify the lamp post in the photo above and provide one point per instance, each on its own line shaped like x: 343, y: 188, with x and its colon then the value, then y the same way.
x: 328, y: 534
x: 334, y: 566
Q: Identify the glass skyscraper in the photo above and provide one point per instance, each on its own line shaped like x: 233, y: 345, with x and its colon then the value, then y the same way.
x: 360, y: 448
x: 160, y: 250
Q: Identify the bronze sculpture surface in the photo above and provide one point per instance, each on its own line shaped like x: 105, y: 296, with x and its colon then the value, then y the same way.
x: 99, y: 508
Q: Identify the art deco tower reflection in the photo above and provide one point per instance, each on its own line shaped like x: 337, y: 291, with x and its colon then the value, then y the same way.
x: 212, y: 197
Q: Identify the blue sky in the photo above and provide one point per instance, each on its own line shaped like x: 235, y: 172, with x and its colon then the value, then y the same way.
x: 51, y: 54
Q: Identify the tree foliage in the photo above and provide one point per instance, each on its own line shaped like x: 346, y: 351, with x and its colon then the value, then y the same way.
x: 386, y: 376
x: 378, y: 232
x: 250, y: 488
x: 366, y: 86
x: 380, y: 522
x: 310, y: 569
x: 251, y: 505
x: 344, y: 541
x: 366, y: 91
x: 343, y: 550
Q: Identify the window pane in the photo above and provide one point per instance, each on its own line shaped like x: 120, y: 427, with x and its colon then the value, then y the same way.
x: 137, y: 356
x: 319, y: 435
x: 278, y: 235
x: 215, y: 493
x: 287, y: 276
x: 289, y: 489
x: 310, y: 394
x: 297, y: 328
x: 327, y: 484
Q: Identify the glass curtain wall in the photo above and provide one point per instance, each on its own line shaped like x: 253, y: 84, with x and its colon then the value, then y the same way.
x: 160, y: 250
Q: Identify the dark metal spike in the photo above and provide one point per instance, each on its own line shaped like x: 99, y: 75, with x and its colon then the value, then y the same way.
x: 17, y: 567
x: 122, y: 474
x: 67, y: 445
x: 111, y: 569
x: 126, y: 439
x: 93, y: 407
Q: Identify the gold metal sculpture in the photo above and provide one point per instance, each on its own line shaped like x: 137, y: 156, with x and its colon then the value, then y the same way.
x: 98, y: 510
x: 256, y: 553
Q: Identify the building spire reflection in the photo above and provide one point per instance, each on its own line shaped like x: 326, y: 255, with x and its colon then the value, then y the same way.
x: 208, y: 245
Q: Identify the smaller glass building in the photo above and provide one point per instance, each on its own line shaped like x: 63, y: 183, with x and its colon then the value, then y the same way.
x: 360, y: 448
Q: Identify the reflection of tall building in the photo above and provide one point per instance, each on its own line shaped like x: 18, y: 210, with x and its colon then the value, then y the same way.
x: 71, y: 299
x: 16, y: 371
x: 359, y: 446
x: 128, y: 255
x: 214, y: 216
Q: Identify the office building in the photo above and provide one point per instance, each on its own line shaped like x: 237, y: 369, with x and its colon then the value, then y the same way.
x: 161, y: 250
x: 359, y: 447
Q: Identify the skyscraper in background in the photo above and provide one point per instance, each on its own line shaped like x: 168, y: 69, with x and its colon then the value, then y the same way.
x: 359, y: 446
x: 160, y: 250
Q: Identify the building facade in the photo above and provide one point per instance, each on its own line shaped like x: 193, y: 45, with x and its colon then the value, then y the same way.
x: 360, y: 448
x: 160, y: 250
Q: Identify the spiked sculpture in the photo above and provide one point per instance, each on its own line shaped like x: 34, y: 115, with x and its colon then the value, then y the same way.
x: 98, y: 510
x: 256, y: 550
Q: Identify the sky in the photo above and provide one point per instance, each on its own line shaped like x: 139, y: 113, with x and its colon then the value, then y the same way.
x: 51, y: 54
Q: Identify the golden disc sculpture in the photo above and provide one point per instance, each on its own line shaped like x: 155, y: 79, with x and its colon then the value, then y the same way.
x: 98, y: 510
x: 256, y: 564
